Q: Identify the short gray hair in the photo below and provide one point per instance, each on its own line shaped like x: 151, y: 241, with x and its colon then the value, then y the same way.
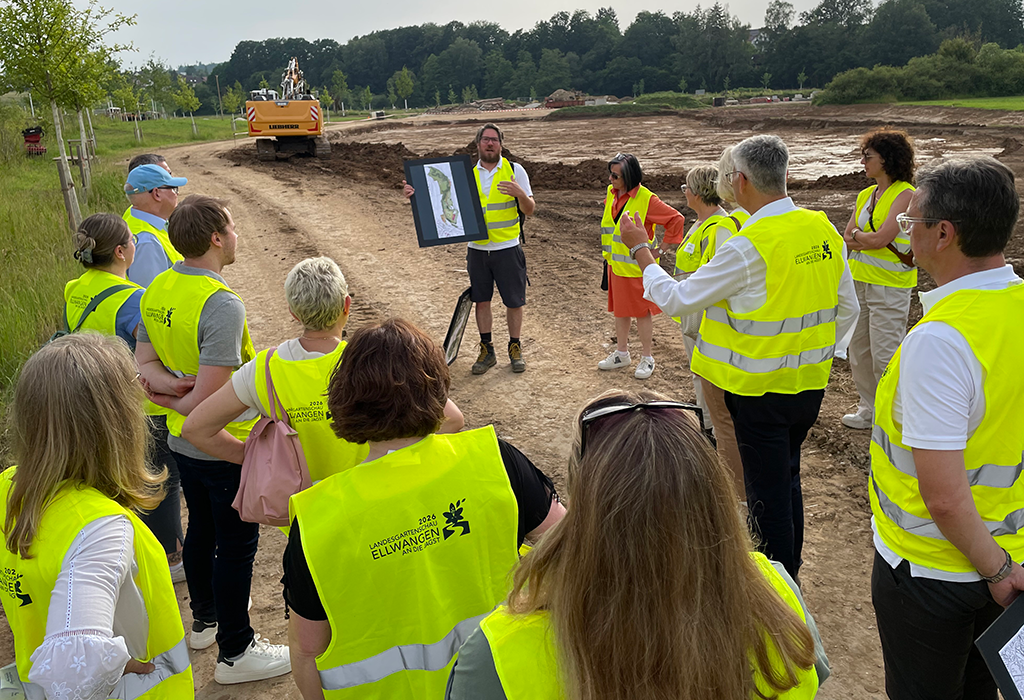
x: 763, y: 159
x: 315, y: 290
x: 977, y: 195
x: 702, y: 182
x: 725, y: 166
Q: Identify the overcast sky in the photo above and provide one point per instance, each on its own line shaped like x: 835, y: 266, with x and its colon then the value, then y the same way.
x: 198, y: 31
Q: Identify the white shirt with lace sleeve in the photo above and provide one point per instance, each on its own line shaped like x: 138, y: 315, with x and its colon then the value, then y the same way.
x: 97, y: 618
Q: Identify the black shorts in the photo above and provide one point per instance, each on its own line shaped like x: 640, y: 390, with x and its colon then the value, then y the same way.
x: 506, y: 268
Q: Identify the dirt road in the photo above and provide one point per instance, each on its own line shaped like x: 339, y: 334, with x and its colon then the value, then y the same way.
x: 349, y: 207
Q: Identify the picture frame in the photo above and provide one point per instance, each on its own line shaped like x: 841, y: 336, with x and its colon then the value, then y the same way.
x: 446, y: 206
x: 457, y: 326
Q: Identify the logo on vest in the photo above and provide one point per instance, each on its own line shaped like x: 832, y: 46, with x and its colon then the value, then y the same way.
x: 313, y: 412
x: 160, y: 315
x: 10, y: 583
x: 817, y: 253
x: 455, y: 520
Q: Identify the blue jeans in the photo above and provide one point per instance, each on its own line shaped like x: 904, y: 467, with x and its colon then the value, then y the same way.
x: 770, y: 430
x: 219, y: 551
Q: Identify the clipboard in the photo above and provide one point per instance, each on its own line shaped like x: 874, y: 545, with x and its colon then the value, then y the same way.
x: 457, y: 327
x: 1002, y: 647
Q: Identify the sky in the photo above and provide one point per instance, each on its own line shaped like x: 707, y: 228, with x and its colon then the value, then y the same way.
x: 199, y: 31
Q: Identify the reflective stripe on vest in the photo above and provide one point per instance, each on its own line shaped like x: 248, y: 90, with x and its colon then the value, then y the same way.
x: 423, y: 540
x: 694, y: 246
x: 27, y: 604
x: 171, y: 308
x: 618, y: 254
x: 138, y: 226
x: 79, y: 292
x: 301, y: 386
x: 407, y: 657
x: 994, y: 453
x: 881, y: 266
x: 500, y: 210
x: 525, y: 654
x: 786, y: 345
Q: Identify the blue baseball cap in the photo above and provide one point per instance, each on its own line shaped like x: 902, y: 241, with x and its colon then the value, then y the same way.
x: 149, y: 177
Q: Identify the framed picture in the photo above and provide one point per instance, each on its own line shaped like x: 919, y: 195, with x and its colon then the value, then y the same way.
x: 446, y: 206
x: 457, y: 326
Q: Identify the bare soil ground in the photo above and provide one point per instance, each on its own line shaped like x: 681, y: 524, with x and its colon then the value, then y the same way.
x: 350, y: 208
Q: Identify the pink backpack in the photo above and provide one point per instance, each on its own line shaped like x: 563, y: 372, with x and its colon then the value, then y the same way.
x: 274, y: 467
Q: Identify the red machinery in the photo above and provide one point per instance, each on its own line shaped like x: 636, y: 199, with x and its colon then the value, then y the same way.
x: 33, y: 135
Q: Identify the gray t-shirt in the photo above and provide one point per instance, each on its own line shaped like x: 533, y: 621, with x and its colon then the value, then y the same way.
x: 221, y: 323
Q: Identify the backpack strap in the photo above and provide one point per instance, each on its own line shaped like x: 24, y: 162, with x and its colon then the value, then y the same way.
x: 737, y: 222
x: 96, y: 301
x: 272, y: 398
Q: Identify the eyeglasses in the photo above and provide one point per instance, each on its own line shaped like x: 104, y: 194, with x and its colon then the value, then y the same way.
x: 489, y: 139
x: 683, y: 187
x: 589, y: 416
x: 166, y: 187
x: 734, y: 172
x: 867, y: 156
x: 906, y: 222
x: 615, y: 176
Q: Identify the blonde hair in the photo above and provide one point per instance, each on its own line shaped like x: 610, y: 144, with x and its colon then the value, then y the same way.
x: 315, y: 290
x: 648, y: 579
x: 702, y: 181
x: 78, y: 418
x: 725, y: 166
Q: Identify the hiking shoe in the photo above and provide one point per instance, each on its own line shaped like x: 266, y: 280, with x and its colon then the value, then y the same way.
x: 486, y: 360
x: 645, y: 368
x: 260, y: 661
x: 861, y: 420
x: 203, y: 634
x: 515, y: 354
x: 617, y: 360
x: 178, y: 573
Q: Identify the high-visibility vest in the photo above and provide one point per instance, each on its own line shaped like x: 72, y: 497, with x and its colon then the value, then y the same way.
x: 28, y: 583
x: 881, y: 266
x: 993, y: 456
x: 727, y: 227
x: 138, y: 226
x: 526, y: 657
x: 690, y: 253
x: 786, y: 345
x: 79, y: 292
x: 617, y: 254
x: 408, y: 553
x: 301, y: 387
x: 500, y: 210
x: 171, y: 308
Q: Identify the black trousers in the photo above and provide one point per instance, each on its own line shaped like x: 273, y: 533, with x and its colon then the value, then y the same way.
x: 165, y: 520
x: 927, y: 629
x: 770, y: 430
x: 219, y: 551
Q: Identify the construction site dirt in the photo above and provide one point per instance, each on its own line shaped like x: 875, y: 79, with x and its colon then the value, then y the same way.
x: 349, y: 206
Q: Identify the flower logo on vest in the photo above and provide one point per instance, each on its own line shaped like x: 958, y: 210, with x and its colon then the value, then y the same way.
x: 10, y: 584
x: 826, y: 252
x: 455, y: 520
x: 167, y: 317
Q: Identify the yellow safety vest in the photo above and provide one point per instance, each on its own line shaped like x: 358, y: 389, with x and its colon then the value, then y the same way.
x: 786, y: 345
x: 881, y: 266
x: 613, y: 249
x: 993, y: 454
x: 408, y: 553
x: 694, y: 246
x: 139, y: 226
x: 171, y: 308
x: 28, y: 583
x: 727, y: 227
x: 79, y: 292
x: 500, y: 211
x: 301, y: 387
x: 526, y: 658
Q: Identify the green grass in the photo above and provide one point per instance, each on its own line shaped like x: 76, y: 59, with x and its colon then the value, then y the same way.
x: 620, y: 110
x: 675, y: 100
x: 1008, y: 103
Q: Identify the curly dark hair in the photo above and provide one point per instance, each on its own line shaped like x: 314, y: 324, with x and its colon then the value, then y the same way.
x: 896, y: 150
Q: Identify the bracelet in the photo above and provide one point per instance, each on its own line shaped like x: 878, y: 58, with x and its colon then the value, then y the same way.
x: 1003, y: 572
x: 638, y: 246
x: 854, y: 234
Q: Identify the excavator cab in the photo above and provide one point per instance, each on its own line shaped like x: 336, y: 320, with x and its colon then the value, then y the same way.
x: 289, y: 124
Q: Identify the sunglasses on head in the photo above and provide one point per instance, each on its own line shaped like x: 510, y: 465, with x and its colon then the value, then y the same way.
x: 589, y: 416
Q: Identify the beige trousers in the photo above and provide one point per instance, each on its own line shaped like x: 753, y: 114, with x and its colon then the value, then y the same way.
x: 698, y: 390
x: 725, y: 434
x: 881, y: 326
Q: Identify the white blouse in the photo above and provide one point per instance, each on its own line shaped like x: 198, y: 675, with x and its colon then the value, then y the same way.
x: 97, y: 618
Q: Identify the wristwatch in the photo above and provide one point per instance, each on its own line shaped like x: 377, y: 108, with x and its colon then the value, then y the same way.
x: 1002, y: 573
x: 638, y: 246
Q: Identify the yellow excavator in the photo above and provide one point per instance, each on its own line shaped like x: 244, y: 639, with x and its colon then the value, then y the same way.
x: 289, y: 124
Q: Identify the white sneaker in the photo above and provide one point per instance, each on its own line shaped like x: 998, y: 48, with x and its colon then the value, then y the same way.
x: 617, y: 360
x: 260, y: 661
x: 178, y: 573
x: 203, y: 634
x: 861, y: 420
x: 645, y: 368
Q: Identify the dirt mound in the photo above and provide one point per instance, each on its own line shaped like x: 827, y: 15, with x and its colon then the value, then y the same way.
x: 850, y: 181
x: 1010, y: 145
